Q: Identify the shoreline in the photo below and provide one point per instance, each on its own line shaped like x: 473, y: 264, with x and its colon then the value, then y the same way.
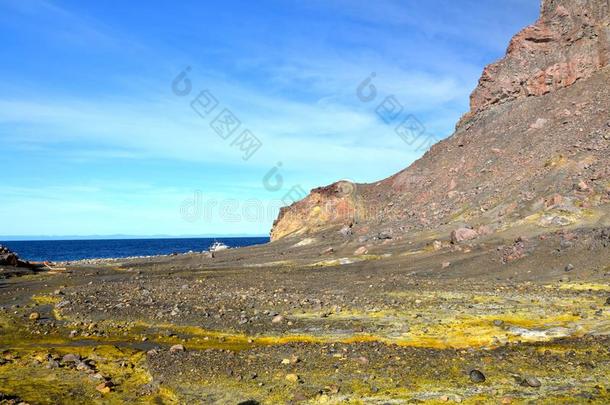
x: 95, y: 261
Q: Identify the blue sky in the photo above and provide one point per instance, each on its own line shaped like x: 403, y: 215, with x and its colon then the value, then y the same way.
x: 94, y: 141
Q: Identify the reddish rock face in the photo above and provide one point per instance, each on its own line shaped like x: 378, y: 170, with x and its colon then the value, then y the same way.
x: 570, y: 41
x: 324, y: 207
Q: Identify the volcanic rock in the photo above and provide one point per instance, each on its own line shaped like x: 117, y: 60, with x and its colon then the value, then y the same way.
x: 9, y: 258
x: 463, y: 234
x: 569, y: 42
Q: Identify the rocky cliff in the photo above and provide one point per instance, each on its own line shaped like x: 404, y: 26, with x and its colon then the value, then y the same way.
x: 569, y: 42
x: 534, y: 146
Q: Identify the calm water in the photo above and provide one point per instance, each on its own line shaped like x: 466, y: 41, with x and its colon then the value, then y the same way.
x: 66, y: 250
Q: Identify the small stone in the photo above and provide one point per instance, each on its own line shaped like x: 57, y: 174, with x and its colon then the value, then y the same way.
x: 554, y: 201
x: 176, y: 349
x: 498, y: 322
x: 385, y: 235
x: 361, y: 251
x: 104, y: 387
x: 569, y: 267
x: 328, y: 251
x: 437, y: 245
x: 52, y: 364
x: 346, y: 231
x: 533, y: 382
x: 582, y: 186
x: 70, y: 358
x: 34, y: 316
x: 301, y: 397
x: 446, y: 264
x: 477, y: 377
x: 82, y: 366
x: 285, y: 361
x: 539, y: 124
x: 277, y: 319
x: 506, y: 401
x: 293, y: 378
x: 484, y: 230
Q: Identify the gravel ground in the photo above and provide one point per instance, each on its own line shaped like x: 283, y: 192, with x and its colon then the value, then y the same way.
x: 409, y: 321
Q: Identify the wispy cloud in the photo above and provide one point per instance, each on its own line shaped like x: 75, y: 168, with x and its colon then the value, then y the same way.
x: 52, y: 21
x: 88, y: 100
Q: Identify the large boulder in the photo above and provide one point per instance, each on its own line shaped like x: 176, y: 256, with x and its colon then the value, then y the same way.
x: 463, y: 234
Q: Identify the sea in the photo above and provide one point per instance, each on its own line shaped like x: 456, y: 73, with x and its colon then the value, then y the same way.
x: 71, y: 250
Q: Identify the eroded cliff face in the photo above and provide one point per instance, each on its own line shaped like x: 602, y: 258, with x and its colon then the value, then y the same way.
x: 570, y: 41
x: 324, y: 207
x: 535, y: 142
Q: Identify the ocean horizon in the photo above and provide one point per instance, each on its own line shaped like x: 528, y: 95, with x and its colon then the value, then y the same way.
x: 61, y: 250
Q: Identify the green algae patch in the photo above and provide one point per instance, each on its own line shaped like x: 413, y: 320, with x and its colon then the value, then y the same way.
x: 583, y: 287
x: 477, y: 332
x: 556, y: 162
x: 431, y: 320
x: 465, y: 332
x: 490, y: 322
x: 195, y: 337
x: 558, y: 218
x: 26, y: 376
x: 222, y: 390
x: 417, y: 252
x: 46, y: 299
x: 37, y: 375
x: 277, y: 263
x: 345, y: 314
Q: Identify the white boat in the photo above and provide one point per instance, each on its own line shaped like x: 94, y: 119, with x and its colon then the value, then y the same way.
x: 218, y: 246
